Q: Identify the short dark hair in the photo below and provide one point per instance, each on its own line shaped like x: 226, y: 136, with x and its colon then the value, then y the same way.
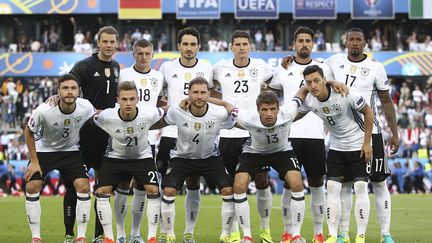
x: 239, y: 34
x: 107, y: 30
x: 311, y: 69
x: 126, y: 85
x: 267, y: 97
x: 198, y: 80
x: 188, y: 31
x: 355, y: 29
x: 142, y: 43
x: 67, y: 77
x: 303, y: 30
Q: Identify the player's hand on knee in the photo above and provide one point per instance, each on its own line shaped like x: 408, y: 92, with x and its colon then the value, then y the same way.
x: 32, y: 169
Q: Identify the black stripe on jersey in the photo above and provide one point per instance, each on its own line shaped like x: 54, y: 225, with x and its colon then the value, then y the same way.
x: 358, y: 119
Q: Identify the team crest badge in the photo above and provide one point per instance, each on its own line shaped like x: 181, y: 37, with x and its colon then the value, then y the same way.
x: 241, y: 73
x: 116, y: 72
x: 197, y: 126
x: 154, y: 82
x: 200, y: 74
x: 143, y: 82
x: 353, y: 69
x: 107, y: 72
x: 326, y: 110
x: 210, y: 125
x: 253, y: 72
x: 66, y: 122
x: 188, y: 76
x: 130, y: 130
x: 77, y: 120
x: 141, y: 127
x: 337, y: 108
x: 271, y: 130
x: 365, y: 71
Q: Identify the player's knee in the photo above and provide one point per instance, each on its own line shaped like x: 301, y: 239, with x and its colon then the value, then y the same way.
x: 315, y: 181
x: 82, y: 185
x: 104, y: 190
x: 170, y: 192
x: 226, y: 191
x: 151, y: 190
x: 34, y: 186
x: 296, y: 186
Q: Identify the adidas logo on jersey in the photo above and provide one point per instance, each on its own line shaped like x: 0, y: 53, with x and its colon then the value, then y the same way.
x: 174, y: 76
x: 96, y: 74
x: 342, y: 66
x: 118, y: 131
x: 290, y: 74
x: 228, y: 75
x: 56, y: 124
x: 185, y: 125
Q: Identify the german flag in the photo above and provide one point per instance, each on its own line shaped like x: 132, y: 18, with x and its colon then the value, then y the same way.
x: 140, y: 9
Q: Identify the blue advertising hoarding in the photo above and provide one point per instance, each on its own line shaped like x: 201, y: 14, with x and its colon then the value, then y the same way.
x: 198, y: 9
x: 256, y: 9
x: 54, y: 64
x: 314, y: 9
x: 372, y: 9
x: 58, y: 6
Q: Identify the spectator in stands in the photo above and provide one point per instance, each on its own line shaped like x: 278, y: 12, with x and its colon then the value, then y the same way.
x: 222, y: 45
x: 79, y: 38
x: 428, y: 44
x: 213, y: 45
x: 428, y: 117
x: 258, y: 40
x: 3, y: 176
x: 88, y: 38
x: 269, y: 40
x: 319, y: 40
x: 418, y: 175
x: 53, y: 41
x: 412, y: 42
x: 147, y: 36
x: 126, y: 43
x: 137, y: 35
x: 45, y: 41
x: 405, y: 93
x: 35, y: 45
x: 278, y: 46
x: 376, y: 43
x: 3, y: 45
x: 417, y: 95
x: 163, y: 42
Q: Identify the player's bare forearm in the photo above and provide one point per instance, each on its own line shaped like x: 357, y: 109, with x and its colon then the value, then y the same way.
x: 223, y: 103
x: 161, y: 102
x: 215, y: 93
x: 389, y: 112
x: 158, y: 125
x: 299, y: 116
x: 302, y: 93
x: 368, y: 122
x: 338, y: 87
x: 31, y: 145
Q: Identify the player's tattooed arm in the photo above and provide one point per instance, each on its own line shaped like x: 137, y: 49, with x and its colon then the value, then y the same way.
x: 33, y: 166
x: 366, y: 151
x: 389, y: 113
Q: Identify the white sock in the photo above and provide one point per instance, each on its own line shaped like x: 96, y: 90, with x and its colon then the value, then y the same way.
x: 83, y: 207
x: 362, y: 206
x: 168, y: 213
x: 383, y: 205
x: 153, y: 209
x: 243, y: 213
x: 264, y: 206
x: 235, y: 224
x: 333, y: 206
x: 33, y: 209
x: 120, y: 210
x: 318, y: 202
x: 192, y: 205
x: 138, y: 205
x: 286, y: 210
x: 227, y: 214
x: 346, y: 202
x: 105, y: 214
x: 297, y: 211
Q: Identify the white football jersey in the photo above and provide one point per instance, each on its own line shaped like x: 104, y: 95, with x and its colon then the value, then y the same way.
x: 266, y: 140
x: 149, y: 86
x: 341, y: 117
x: 365, y: 78
x: 290, y: 81
x: 241, y: 86
x: 128, y: 139
x: 176, y: 84
x: 197, y: 135
x: 57, y: 131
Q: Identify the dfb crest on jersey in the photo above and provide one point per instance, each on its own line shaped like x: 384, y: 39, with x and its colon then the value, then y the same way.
x: 364, y: 71
x: 210, y: 125
x: 241, y: 73
x: 188, y: 76
x: 107, y: 72
x: 197, y: 126
x: 77, y: 120
x: 143, y: 82
x: 337, y: 108
x: 326, y: 109
x: 253, y: 72
x: 154, y: 82
x: 200, y: 74
x: 66, y: 122
x: 130, y: 130
x: 353, y: 69
x: 271, y: 130
x: 116, y: 72
x: 141, y: 127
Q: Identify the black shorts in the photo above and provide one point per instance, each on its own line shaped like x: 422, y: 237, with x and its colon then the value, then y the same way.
x: 282, y: 162
x: 311, y: 155
x: 166, y: 144
x: 69, y: 164
x: 230, y: 150
x: 115, y: 170
x: 211, y: 169
x: 93, y: 144
x: 346, y: 164
x: 379, y: 168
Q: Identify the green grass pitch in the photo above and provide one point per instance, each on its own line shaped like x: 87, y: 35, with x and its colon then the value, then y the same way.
x: 411, y: 220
